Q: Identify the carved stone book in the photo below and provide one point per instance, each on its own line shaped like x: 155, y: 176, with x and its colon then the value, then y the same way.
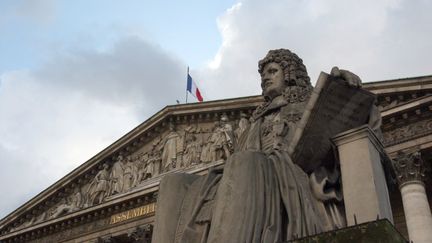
x: 333, y: 107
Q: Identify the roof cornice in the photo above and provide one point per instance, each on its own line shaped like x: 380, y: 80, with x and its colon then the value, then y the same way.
x: 399, y: 85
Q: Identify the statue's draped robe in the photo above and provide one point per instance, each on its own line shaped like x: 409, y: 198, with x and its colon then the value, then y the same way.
x: 262, y: 196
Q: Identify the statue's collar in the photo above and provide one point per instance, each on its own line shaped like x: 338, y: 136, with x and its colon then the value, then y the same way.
x: 269, y: 106
x: 291, y: 95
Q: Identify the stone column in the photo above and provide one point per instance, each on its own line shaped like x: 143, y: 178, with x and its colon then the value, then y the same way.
x: 364, y: 184
x: 410, y: 175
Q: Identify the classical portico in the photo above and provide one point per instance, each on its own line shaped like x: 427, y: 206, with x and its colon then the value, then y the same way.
x: 406, y: 110
x: 65, y: 212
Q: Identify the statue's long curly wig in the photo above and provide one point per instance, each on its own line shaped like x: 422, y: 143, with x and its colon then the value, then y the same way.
x: 294, y: 71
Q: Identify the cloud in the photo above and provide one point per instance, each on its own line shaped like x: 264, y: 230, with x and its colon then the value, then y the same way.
x: 40, y: 12
x: 55, y: 118
x: 133, y: 72
x: 376, y: 39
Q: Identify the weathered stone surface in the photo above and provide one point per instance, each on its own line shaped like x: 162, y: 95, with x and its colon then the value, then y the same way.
x: 409, y: 167
x: 381, y: 231
x: 334, y: 107
x: 263, y: 195
x: 364, y: 184
x: 408, y: 132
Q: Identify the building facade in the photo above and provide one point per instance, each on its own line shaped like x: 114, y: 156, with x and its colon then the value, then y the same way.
x: 112, y: 197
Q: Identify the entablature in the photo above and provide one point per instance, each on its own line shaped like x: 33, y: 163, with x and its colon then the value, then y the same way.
x: 392, y: 93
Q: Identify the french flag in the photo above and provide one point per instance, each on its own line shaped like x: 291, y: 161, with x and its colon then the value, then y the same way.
x: 193, y: 88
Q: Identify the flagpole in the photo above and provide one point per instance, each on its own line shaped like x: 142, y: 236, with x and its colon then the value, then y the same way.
x: 187, y: 83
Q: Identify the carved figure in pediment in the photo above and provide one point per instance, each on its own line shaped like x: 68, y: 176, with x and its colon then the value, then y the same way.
x: 149, y: 169
x: 77, y: 199
x: 135, y: 169
x: 155, y: 160
x: 130, y: 174
x: 66, y: 205
x: 243, y: 125
x: 34, y: 220
x: 145, y: 167
x: 220, y: 143
x: 192, y: 151
x: 42, y: 217
x: 171, y: 149
x: 99, y: 188
x: 206, y: 151
x: 117, y: 172
x: 140, y: 161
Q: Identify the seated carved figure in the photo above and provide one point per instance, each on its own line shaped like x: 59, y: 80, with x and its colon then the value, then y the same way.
x: 261, y: 195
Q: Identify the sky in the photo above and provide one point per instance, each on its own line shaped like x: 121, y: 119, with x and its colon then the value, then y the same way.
x: 77, y: 75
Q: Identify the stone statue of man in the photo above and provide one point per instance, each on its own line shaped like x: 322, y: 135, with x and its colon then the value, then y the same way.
x: 261, y: 195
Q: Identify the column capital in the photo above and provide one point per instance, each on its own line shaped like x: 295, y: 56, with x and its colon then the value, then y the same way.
x: 409, y: 167
x: 141, y: 233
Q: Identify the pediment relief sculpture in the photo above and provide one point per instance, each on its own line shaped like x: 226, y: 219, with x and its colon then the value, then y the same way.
x: 402, y: 133
x: 72, y: 203
x: 180, y: 147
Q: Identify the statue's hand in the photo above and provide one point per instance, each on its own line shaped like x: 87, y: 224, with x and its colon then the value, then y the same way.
x: 350, y: 78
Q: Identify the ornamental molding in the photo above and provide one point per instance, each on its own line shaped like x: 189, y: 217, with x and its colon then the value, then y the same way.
x: 409, y: 167
x: 82, y: 222
x: 407, y: 132
x: 395, y: 86
x: 410, y: 105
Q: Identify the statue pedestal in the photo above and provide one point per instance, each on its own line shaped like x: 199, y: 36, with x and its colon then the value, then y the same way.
x: 364, y: 184
x: 371, y: 232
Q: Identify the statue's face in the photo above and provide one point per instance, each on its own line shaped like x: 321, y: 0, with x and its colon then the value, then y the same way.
x: 272, y: 80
